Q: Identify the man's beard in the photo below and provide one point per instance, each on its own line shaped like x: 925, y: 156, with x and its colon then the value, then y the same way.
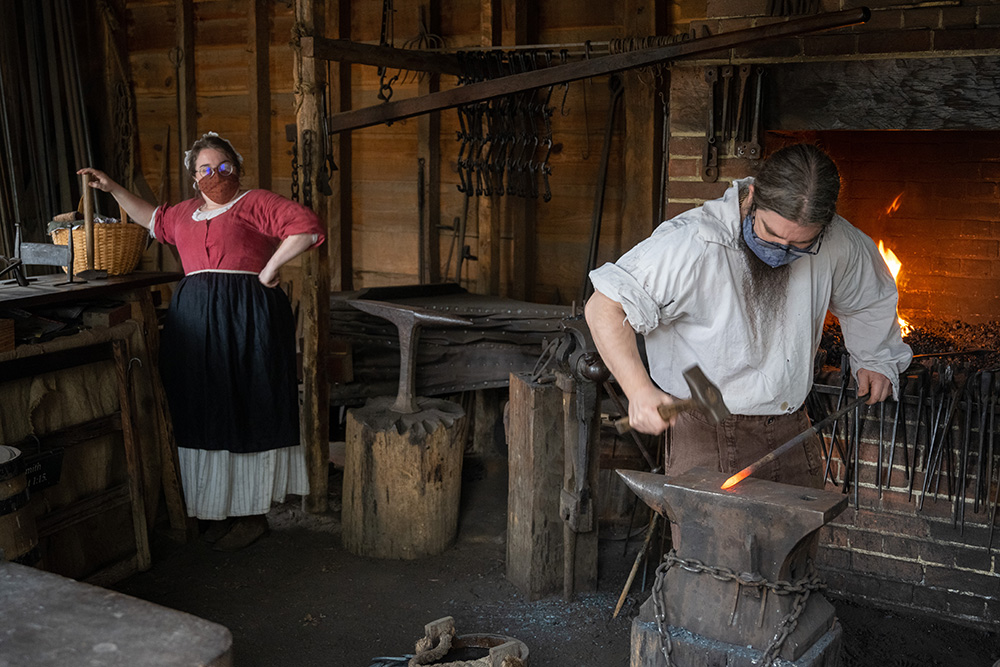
x: 765, y: 289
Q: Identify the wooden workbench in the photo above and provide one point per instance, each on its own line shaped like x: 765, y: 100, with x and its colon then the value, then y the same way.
x: 49, y: 620
x: 47, y: 290
x: 94, y: 397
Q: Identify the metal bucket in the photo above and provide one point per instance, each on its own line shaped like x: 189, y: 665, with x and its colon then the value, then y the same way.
x: 464, y: 645
x: 18, y: 534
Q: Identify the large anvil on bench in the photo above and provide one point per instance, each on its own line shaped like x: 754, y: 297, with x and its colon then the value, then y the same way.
x: 728, y: 544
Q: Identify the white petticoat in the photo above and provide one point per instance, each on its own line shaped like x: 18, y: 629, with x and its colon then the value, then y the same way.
x: 220, y: 484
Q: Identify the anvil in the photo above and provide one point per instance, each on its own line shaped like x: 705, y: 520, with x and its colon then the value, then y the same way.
x: 757, y: 529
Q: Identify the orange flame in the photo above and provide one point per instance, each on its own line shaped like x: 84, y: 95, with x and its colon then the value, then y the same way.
x: 894, y: 206
x: 736, y: 479
x: 895, y: 265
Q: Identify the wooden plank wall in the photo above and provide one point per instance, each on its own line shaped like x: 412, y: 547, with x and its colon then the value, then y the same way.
x: 378, y: 189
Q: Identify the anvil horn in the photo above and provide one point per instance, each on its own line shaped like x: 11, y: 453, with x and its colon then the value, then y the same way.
x: 649, y: 487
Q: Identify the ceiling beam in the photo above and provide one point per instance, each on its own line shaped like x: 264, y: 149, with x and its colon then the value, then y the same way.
x: 347, y: 51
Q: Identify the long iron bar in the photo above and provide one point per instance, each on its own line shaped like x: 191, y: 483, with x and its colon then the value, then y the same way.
x: 903, y: 380
x: 550, y: 76
x: 857, y: 450
x: 921, y: 395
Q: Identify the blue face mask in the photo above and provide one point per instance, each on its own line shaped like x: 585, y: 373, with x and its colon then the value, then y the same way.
x: 774, y: 254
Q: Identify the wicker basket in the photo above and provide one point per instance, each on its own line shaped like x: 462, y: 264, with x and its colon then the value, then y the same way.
x: 118, y: 246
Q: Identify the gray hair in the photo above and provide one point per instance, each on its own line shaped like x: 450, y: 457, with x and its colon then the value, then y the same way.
x: 211, y: 140
x: 799, y: 182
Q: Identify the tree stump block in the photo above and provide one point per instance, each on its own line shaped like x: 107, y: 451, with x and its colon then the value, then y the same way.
x: 535, y: 529
x: 402, y: 479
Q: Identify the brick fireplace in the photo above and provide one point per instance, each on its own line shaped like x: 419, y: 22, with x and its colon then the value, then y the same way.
x: 907, y: 105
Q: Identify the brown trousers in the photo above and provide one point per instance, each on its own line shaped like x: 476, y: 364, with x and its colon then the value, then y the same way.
x: 741, y: 440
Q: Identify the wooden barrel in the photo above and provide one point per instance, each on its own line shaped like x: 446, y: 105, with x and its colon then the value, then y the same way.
x: 18, y: 535
x: 402, y: 481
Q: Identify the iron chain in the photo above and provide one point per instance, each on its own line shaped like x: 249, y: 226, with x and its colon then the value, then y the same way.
x: 801, y: 589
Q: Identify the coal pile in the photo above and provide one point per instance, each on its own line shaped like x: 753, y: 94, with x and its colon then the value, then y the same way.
x: 939, y: 338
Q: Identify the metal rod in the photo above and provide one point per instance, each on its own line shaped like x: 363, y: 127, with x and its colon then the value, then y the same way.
x: 550, y: 76
x: 895, y: 429
x: 857, y: 450
x: 800, y: 438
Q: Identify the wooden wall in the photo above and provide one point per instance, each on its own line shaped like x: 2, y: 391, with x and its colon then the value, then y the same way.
x: 380, y: 164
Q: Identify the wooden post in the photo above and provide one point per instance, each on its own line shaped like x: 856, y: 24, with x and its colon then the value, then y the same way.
x: 643, y: 129
x: 488, y: 281
x: 341, y: 213
x: 315, y: 298
x: 521, y: 212
x: 187, y: 108
x: 429, y: 148
x: 259, y: 90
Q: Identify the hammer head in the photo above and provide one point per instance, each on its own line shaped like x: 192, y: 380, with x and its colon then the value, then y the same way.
x: 705, y: 395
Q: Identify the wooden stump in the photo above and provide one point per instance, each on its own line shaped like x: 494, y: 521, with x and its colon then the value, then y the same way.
x: 402, y: 479
x: 535, y: 529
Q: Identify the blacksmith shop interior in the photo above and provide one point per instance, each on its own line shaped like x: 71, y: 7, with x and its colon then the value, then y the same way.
x: 310, y: 349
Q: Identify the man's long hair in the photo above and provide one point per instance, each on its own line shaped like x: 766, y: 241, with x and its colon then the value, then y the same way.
x: 799, y: 182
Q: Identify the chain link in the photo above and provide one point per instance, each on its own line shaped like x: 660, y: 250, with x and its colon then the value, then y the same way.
x: 307, y: 164
x: 801, y: 588
x: 295, y: 170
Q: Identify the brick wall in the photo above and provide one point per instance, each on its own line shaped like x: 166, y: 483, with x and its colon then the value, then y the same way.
x: 885, y: 550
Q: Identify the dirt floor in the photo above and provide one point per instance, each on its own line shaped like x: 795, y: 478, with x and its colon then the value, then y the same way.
x: 298, y: 598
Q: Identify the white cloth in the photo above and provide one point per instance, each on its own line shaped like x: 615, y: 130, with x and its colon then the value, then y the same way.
x: 219, y: 484
x: 682, y: 288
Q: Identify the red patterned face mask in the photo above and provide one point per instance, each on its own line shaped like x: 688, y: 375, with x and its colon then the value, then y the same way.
x: 220, y: 188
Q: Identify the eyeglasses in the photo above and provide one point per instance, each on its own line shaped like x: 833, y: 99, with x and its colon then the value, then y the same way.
x: 224, y: 169
x: 811, y: 249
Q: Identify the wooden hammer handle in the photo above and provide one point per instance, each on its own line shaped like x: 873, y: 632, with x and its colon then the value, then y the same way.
x: 667, y: 412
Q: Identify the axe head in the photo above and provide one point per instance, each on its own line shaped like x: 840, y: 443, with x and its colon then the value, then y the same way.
x: 705, y: 395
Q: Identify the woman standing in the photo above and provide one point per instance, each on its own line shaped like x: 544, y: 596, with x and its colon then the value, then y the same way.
x: 227, y: 357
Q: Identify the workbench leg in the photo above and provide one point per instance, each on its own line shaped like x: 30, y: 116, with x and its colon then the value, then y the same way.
x: 182, y: 527
x: 122, y: 359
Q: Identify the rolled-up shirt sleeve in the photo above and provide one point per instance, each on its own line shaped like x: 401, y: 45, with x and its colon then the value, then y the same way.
x: 641, y: 311
x: 864, y: 299
x: 648, y: 279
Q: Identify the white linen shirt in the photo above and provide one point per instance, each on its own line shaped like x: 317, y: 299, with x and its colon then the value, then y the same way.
x: 682, y: 289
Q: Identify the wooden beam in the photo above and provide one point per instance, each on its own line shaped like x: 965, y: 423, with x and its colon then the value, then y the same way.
x: 346, y: 51
x: 550, y: 76
x: 643, y: 128
x: 315, y: 299
x: 521, y: 212
x: 341, y: 214
x: 429, y: 149
x: 259, y: 90
x: 187, y: 98
x: 488, y: 209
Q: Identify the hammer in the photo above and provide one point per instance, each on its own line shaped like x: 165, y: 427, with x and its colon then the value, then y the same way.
x: 705, y: 397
